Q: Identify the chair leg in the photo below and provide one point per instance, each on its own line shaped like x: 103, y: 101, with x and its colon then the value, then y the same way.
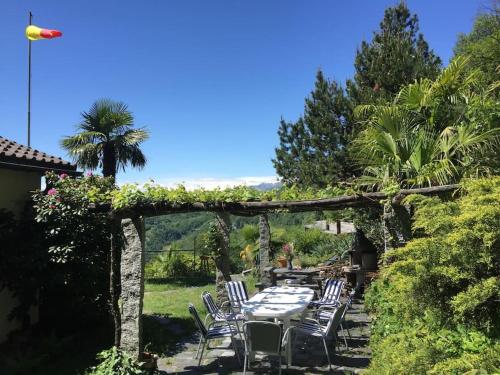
x: 245, y: 364
x: 343, y: 335
x: 199, y: 346
x: 201, y: 354
x: 235, y: 350
x: 280, y: 364
x: 327, y: 354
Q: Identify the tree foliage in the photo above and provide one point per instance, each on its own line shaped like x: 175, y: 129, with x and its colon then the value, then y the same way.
x: 312, y: 150
x: 397, y: 55
x: 434, y: 132
x: 436, y: 304
x: 482, y: 46
x: 107, y: 139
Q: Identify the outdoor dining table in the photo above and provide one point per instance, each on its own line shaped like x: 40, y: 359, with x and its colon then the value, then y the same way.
x: 280, y: 303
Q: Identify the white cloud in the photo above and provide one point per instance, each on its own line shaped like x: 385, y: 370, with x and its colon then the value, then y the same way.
x: 210, y: 182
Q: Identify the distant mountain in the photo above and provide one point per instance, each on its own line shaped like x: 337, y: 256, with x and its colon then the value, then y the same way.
x: 266, y: 186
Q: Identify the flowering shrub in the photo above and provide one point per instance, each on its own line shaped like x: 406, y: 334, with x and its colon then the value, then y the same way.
x: 76, y: 240
x: 288, y: 251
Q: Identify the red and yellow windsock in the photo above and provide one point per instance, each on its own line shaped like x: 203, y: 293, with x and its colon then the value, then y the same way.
x: 36, y: 33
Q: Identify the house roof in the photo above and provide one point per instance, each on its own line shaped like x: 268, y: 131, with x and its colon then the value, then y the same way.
x: 14, y: 155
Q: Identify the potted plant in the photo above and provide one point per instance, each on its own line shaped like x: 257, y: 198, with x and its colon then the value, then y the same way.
x: 288, y: 254
x: 282, y: 261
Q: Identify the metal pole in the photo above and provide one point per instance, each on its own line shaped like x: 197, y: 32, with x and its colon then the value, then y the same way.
x: 29, y: 85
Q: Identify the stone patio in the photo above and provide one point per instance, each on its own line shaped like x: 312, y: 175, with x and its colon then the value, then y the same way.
x: 310, y: 360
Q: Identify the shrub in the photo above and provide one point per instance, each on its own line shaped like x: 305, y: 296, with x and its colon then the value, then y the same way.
x: 116, y: 362
x: 175, y: 265
x: 76, y: 241
x: 436, y: 305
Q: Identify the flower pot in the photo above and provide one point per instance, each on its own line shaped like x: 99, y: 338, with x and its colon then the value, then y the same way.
x: 290, y: 265
x: 282, y: 262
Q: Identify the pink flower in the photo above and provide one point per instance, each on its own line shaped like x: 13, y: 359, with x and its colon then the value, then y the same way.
x: 62, y: 176
x: 89, y: 174
x: 52, y: 192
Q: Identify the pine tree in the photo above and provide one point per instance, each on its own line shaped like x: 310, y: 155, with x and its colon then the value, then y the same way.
x: 397, y: 55
x: 312, y: 151
x: 482, y: 46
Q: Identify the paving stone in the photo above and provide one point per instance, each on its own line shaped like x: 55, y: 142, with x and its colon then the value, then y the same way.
x: 308, y: 360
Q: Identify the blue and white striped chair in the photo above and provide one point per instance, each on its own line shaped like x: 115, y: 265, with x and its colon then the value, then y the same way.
x: 324, y: 313
x: 217, y: 315
x: 215, y: 330
x: 237, y: 294
x: 313, y: 328
x: 331, y: 294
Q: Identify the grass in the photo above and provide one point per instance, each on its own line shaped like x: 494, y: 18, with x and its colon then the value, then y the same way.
x: 170, y: 300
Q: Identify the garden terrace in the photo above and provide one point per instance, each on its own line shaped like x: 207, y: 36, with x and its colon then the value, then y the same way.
x: 130, y: 208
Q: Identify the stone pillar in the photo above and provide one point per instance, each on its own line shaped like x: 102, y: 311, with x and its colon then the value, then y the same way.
x: 264, y: 244
x: 222, y: 262
x: 397, y: 225
x: 132, y: 285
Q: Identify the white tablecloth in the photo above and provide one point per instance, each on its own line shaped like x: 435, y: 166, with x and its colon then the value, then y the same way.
x: 279, y: 303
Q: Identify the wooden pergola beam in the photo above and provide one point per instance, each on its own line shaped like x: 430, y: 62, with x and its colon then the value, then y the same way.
x: 260, y: 207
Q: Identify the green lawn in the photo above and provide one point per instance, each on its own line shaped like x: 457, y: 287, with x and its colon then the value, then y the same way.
x: 170, y: 300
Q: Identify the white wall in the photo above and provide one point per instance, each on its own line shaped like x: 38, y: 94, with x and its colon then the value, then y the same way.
x: 15, y: 190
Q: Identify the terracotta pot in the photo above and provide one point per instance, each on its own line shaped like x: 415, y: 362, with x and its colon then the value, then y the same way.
x: 282, y: 262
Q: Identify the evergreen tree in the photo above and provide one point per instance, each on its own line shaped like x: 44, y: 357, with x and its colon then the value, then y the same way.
x: 312, y: 151
x: 482, y: 46
x: 397, y: 55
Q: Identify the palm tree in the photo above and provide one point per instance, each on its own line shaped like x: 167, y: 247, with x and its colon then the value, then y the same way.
x: 426, y: 136
x: 107, y: 139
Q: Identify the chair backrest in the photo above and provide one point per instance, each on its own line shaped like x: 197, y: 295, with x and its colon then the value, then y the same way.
x: 211, y: 306
x: 197, y: 320
x: 336, y: 319
x: 237, y: 292
x: 262, y: 337
x: 332, y: 291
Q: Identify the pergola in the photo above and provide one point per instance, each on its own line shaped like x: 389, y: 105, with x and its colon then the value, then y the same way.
x: 130, y: 228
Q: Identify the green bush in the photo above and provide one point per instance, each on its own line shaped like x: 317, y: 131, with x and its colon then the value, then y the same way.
x: 436, y: 304
x: 116, y: 362
x: 175, y: 265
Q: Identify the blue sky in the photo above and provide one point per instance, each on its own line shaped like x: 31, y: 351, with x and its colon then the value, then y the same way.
x: 210, y: 79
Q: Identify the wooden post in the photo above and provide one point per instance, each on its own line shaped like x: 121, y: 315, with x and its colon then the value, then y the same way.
x: 264, y: 245
x: 397, y: 225
x: 132, y: 282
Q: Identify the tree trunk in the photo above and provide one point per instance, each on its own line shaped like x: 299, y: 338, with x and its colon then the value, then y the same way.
x: 109, y: 161
x: 114, y: 279
x: 264, y: 244
x: 397, y: 225
x: 222, y: 262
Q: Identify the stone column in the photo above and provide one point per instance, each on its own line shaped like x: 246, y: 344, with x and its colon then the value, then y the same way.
x: 264, y: 244
x: 222, y: 262
x: 132, y: 285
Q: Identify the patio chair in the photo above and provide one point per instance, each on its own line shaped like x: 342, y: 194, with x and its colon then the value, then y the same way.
x: 264, y: 338
x: 215, y: 330
x: 331, y: 294
x: 237, y: 294
x: 313, y: 328
x: 324, y: 313
x: 218, y: 315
